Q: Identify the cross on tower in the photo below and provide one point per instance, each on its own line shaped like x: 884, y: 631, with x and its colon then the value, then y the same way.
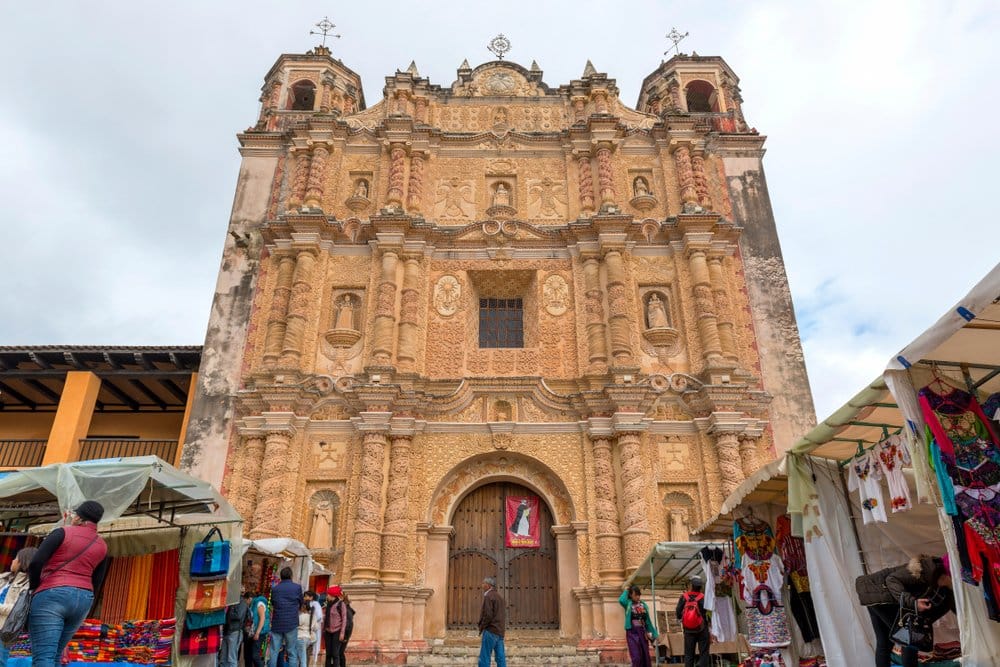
x: 676, y: 38
x: 325, y: 28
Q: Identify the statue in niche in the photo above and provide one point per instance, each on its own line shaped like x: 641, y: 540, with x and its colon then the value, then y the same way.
x: 640, y: 186
x: 502, y: 196
x: 321, y: 532
x: 679, y: 526
x: 500, y: 117
x: 656, y: 314
x: 361, y: 189
x: 345, y: 312
x: 503, y: 411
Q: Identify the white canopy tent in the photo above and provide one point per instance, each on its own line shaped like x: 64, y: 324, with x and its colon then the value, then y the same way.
x: 291, y: 550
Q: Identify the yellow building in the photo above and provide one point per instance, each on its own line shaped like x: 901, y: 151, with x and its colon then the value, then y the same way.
x: 76, y: 403
x: 486, y: 291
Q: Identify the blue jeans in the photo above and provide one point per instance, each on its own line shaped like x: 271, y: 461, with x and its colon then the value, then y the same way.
x: 303, y: 652
x: 492, y: 644
x: 4, y: 654
x: 280, y: 640
x: 56, y: 615
x: 229, y: 654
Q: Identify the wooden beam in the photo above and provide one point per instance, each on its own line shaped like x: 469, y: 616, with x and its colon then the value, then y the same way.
x: 111, y: 361
x: 43, y: 390
x: 174, y: 389
x: 150, y: 394
x: 120, y: 395
x: 74, y: 362
x: 5, y: 388
x: 37, y: 358
x: 141, y: 359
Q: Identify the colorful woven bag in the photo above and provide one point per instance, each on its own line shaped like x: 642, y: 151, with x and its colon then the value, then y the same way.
x: 196, y: 620
x: 206, y: 596
x: 210, y: 558
x: 206, y: 641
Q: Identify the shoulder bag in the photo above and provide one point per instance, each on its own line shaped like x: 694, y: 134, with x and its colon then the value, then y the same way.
x: 210, y: 558
x: 913, y: 630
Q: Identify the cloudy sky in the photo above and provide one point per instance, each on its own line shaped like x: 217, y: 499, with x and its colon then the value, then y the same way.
x: 118, y: 153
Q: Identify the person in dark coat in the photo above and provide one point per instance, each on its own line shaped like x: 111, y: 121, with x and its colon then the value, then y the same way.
x: 695, y: 638
x: 492, y: 625
x: 923, y: 586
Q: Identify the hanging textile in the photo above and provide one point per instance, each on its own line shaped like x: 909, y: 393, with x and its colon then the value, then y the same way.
x: 10, y: 544
x: 863, y: 475
x: 140, y: 580
x: 793, y: 556
x: 114, y: 598
x: 891, y: 455
x: 762, y: 572
x: 163, y: 588
x: 719, y: 578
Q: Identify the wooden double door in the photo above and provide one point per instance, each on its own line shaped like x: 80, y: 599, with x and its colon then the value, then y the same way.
x: 526, y: 578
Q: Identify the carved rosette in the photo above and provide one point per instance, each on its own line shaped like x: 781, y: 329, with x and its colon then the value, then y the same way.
x: 397, y: 172
x: 385, y: 306
x: 700, y: 181
x: 586, y: 183
x: 685, y: 174
x: 594, y: 317
x: 723, y: 309
x: 394, y: 535
x: 704, y: 306
x: 317, y: 172
x: 748, y: 454
x: 367, y: 552
x: 247, y: 466
x: 730, y: 466
x: 609, y: 549
x: 621, y: 336
x: 635, y: 522
x: 298, y: 308
x: 409, y: 314
x: 415, y: 191
x: 267, y: 515
x: 300, y: 179
x: 274, y: 339
x: 606, y: 175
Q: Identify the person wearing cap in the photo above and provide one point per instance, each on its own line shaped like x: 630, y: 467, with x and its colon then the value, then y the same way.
x: 335, y: 627
x: 64, y: 574
x: 695, y: 638
x: 492, y: 625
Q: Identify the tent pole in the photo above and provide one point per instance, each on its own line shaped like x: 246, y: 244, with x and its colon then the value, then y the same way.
x: 652, y: 586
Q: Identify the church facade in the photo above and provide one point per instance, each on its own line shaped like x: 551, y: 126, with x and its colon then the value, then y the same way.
x: 488, y: 300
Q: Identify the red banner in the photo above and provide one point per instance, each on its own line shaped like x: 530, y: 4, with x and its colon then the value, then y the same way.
x: 522, y: 522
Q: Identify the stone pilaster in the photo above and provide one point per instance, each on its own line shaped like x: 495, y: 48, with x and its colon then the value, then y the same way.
x: 395, y: 534
x: 605, y: 174
x: 366, y: 554
x: 414, y: 192
x: 730, y: 466
x: 420, y: 113
x: 274, y: 338
x: 597, y: 345
x: 723, y: 307
x: 586, y: 182
x: 685, y: 175
x: 748, y: 454
x: 249, y: 458
x: 385, y: 310
x: 409, y: 314
x: 298, y: 308
x: 300, y: 178
x: 317, y: 174
x: 327, y: 88
x: 267, y: 515
x: 608, y: 535
x: 704, y: 307
x: 700, y: 180
x: 618, y: 314
x: 397, y: 175
x: 636, y: 534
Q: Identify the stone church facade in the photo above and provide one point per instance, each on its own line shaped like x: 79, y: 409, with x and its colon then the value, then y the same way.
x: 487, y: 290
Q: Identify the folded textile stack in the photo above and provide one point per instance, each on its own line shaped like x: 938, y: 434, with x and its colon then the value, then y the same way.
x: 21, y: 648
x: 146, y: 642
x: 93, y: 642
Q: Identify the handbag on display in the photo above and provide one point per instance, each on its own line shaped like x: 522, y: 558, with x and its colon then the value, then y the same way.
x: 913, y: 630
x: 197, y: 620
x: 207, y: 596
x: 210, y: 558
x: 206, y: 641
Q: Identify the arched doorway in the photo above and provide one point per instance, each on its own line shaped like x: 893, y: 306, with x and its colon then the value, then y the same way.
x: 527, y: 578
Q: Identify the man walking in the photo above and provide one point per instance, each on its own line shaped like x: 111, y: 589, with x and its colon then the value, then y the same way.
x: 491, y: 625
x: 286, y: 598
x: 691, y: 614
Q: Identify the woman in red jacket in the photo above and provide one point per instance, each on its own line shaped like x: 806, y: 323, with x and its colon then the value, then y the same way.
x: 69, y: 566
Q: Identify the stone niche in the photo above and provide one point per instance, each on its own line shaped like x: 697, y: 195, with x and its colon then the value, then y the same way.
x: 660, y: 338
x: 641, y: 195
x: 359, y: 190
x: 341, y: 342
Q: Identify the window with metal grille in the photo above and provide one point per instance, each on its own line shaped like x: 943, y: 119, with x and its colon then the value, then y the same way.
x: 501, y: 323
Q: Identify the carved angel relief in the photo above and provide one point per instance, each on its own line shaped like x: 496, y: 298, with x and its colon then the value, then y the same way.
x: 455, y: 199
x: 447, y: 295
x: 546, y: 198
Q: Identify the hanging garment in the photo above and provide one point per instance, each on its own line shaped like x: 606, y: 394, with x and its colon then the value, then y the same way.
x: 891, y: 455
x: 863, y: 474
x: 723, y: 625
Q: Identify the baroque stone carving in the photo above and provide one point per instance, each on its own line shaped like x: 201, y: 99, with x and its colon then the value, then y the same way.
x: 415, y: 194
x: 368, y: 518
x: 397, y: 169
x: 455, y: 199
x: 606, y: 511
x: 555, y: 293
x: 395, y: 535
x: 546, y: 198
x: 685, y: 174
x: 447, y: 295
x: 730, y: 466
x: 317, y: 174
x: 323, y: 520
x: 635, y: 522
x: 748, y: 454
x: 586, y: 183
x: 606, y: 175
x: 300, y: 179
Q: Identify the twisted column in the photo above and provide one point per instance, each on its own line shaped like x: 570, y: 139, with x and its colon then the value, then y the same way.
x: 298, y: 308
x: 748, y: 454
x: 395, y: 534
x: 367, y: 551
x: 324, y: 101
x: 594, y: 312
x: 414, y: 192
x: 685, y: 175
x: 300, y: 178
x: 249, y: 458
x: 606, y: 174
x: 700, y: 180
x: 420, y: 115
x: 397, y: 169
x: 385, y: 310
x: 704, y: 307
x: 274, y: 338
x: 621, y: 337
x: 409, y: 313
x: 723, y: 309
x: 317, y: 172
x: 609, y: 545
x: 272, y: 487
x: 635, y: 522
x: 586, y: 183
x: 730, y: 467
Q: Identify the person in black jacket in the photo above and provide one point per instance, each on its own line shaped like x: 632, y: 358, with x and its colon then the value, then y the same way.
x: 232, y: 633
x: 695, y: 638
x: 923, y: 586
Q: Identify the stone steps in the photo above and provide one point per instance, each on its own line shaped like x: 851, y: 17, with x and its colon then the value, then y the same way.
x: 517, y: 656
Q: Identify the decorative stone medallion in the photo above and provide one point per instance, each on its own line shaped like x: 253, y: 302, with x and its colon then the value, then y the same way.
x: 447, y: 295
x: 555, y: 292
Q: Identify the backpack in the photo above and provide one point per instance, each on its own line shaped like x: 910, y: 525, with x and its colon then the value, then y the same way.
x: 691, y: 617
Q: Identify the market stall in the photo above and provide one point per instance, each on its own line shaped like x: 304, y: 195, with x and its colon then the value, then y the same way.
x: 155, y: 517
x: 264, y: 558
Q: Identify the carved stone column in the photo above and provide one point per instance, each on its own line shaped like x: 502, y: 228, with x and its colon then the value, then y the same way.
x: 597, y: 345
x: 586, y: 183
x: 674, y: 90
x: 685, y: 175
x: 723, y: 309
x: 324, y: 102
x: 579, y: 108
x: 700, y: 180
x: 606, y: 174
x: 621, y: 337
x: 730, y: 466
x: 748, y: 454
x: 317, y: 172
x: 397, y: 173
x: 300, y: 178
x: 421, y: 110
x: 249, y: 460
x: 395, y: 535
x: 385, y: 310
x: 635, y: 521
x: 415, y: 190
x: 609, y: 545
x: 274, y: 339
x: 273, y: 487
x: 704, y: 307
x: 298, y: 308
x: 367, y: 550
x: 409, y: 314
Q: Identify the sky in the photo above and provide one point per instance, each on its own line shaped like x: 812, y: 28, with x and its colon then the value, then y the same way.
x: 118, y: 154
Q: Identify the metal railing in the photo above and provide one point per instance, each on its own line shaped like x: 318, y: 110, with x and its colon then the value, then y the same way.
x: 22, y: 453
x: 91, y: 449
